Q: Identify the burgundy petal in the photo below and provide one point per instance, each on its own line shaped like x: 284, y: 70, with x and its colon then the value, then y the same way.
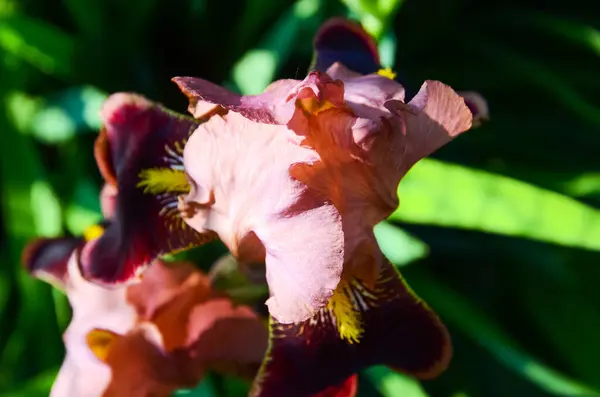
x: 477, y: 105
x: 348, y: 388
x: 345, y: 41
x: 394, y: 327
x: 47, y: 258
x: 140, y: 151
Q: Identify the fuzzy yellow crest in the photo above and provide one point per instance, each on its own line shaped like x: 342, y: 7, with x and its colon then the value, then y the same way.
x: 387, y: 72
x: 347, y: 317
x: 163, y: 180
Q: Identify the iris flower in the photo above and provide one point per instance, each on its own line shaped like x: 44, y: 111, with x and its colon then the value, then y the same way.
x: 150, y: 338
x: 295, y: 178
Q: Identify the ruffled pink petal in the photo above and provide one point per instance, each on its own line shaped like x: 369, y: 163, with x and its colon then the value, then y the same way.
x: 239, y: 171
x: 435, y: 116
x: 366, y: 95
x: 269, y: 107
x: 274, y: 106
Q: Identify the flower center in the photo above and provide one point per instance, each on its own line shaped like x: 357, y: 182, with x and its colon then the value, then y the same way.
x: 387, y: 72
x: 162, y: 180
x: 314, y: 106
x: 347, y: 317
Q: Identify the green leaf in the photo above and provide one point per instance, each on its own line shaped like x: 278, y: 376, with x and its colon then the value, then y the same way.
x: 535, y: 73
x: 21, y: 109
x: 46, y: 210
x: 38, y: 386
x: 387, y: 49
x: 88, y: 15
x: 258, y: 67
x: 468, y: 319
x: 450, y: 195
x: 375, y: 15
x: 578, y: 33
x: 562, y: 313
x: 42, y: 45
x: 84, y: 209
x: 21, y: 172
x: 204, y: 389
x: 399, y: 246
x: 72, y: 110
x: 390, y: 383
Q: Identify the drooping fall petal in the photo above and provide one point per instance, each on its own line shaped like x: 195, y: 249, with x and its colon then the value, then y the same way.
x: 347, y: 388
x: 47, y: 258
x: 253, y: 203
x: 355, y: 139
x: 139, y: 152
x: 360, y: 327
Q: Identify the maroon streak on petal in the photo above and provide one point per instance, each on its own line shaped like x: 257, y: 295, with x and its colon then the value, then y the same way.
x: 140, y: 151
x: 397, y: 329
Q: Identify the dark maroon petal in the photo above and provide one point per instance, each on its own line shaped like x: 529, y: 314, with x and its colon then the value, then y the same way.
x: 345, y: 41
x: 140, y: 150
x: 47, y: 258
x: 348, y: 388
x: 396, y: 329
x: 477, y: 105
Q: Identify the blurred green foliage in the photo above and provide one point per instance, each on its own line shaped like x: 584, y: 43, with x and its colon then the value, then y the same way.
x: 500, y: 232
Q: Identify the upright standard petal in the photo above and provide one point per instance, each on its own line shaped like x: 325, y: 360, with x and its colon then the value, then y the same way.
x: 242, y: 189
x: 139, y: 152
x: 360, y: 327
x: 345, y: 41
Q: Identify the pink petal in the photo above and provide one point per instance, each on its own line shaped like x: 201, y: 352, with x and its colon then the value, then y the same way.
x: 260, y: 212
x: 305, y: 267
x: 108, y: 200
x: 269, y: 107
x: 366, y: 95
x: 162, y: 283
x: 432, y: 118
x: 220, y: 332
x: 274, y: 106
